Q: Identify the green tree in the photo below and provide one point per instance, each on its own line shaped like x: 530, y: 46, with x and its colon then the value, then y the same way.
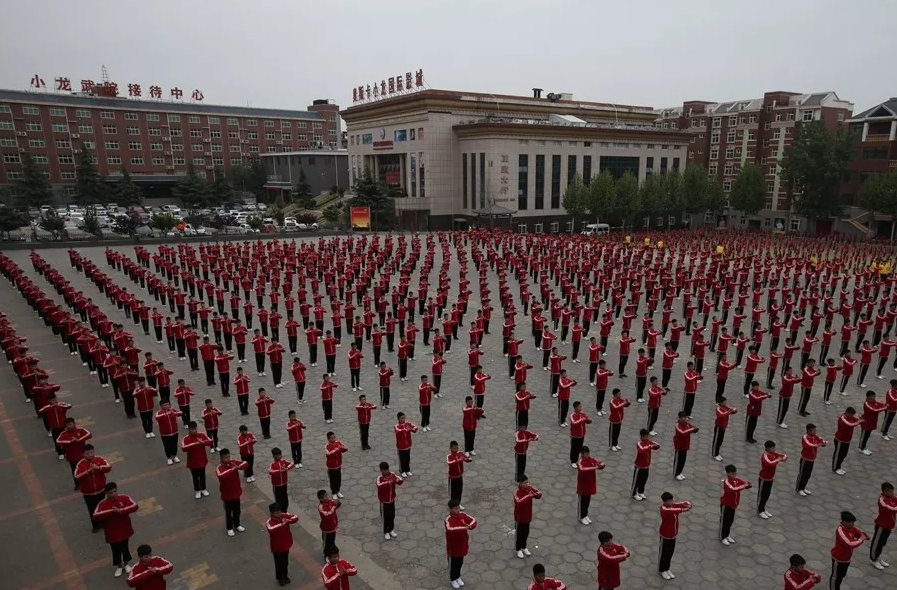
x: 716, y: 197
x: 52, y: 222
x: 575, y: 200
x: 10, y: 219
x: 879, y: 194
x: 127, y: 192
x: 91, y: 224
x: 34, y: 187
x: 126, y: 225
x: 332, y: 213
x: 813, y: 168
x: 695, y: 186
x: 163, y: 221
x: 749, y: 190
x: 254, y: 221
x: 379, y: 196
x: 629, y: 202
x: 89, y: 185
x: 221, y: 191
x: 278, y: 216
x: 302, y: 192
x: 653, y: 196
x: 602, y: 196
x: 250, y: 178
x: 192, y: 190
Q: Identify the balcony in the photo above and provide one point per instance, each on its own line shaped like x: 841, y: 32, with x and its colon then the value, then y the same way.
x: 878, y: 137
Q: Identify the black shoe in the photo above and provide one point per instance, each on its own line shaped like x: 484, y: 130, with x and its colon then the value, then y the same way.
x: 95, y: 529
x: 282, y: 582
x: 287, y: 580
x: 753, y: 441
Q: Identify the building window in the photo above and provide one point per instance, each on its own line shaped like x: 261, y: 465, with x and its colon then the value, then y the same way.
x: 67, y: 175
x: 555, y: 182
x: 521, y: 228
x: 770, y: 186
x: 193, y: 118
x: 730, y: 136
x: 795, y: 224
x: 113, y: 160
x: 60, y: 128
x: 158, y: 161
x: 37, y: 143
x: 482, y: 180
x: 571, y: 169
x: 196, y: 133
x: 110, y: 129
x: 82, y: 113
x: 8, y: 142
x: 235, y: 148
x: 619, y: 165
x: 152, y: 116
x: 286, y: 136
x: 522, y: 183
x: 63, y: 144
x: 134, y: 145
x: 137, y: 160
x: 253, y: 149
x: 540, y: 182
x: 675, y: 163
x: 420, y: 174
x: 586, y: 169
x: 269, y: 135
x: 249, y: 135
x: 172, y: 118
x: 32, y: 126
x: 177, y: 147
x: 717, y: 122
x: 197, y: 147
x: 414, y: 177
x: 317, y: 125
x: 473, y: 180
x: 285, y: 124
x: 107, y: 115
x: 304, y: 137
x: 217, y: 161
x: 111, y: 145
x: 233, y: 121
x: 537, y: 228
x: 156, y: 146
x: 175, y: 132
x: 301, y: 124
x: 178, y: 161
x: 728, y: 170
x: 875, y: 153
x: 805, y: 116
x: 85, y: 128
x: 251, y: 123
x: 649, y: 165
x: 215, y: 133
x: 555, y: 226
x: 727, y: 186
x: 714, y: 138
x: 30, y: 110
x: 154, y: 130
x: 733, y: 120
x: 840, y: 116
x: 199, y: 161
x: 11, y: 159
x: 217, y: 147
x: 133, y: 130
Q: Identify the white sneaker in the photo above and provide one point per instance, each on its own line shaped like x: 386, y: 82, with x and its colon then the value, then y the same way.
x: 354, y: 389
x: 118, y: 401
x: 197, y: 495
x: 638, y: 498
x: 393, y: 534
x: 783, y: 425
x: 152, y: 435
x: 404, y: 474
x: 878, y: 565
x: 808, y: 492
x: 300, y: 465
x: 573, y: 465
x: 241, y: 529
x: 653, y: 433
x: 213, y: 449
x: 61, y: 457
x: 128, y: 568
x: 119, y: 571
x: 726, y: 542
x: 521, y: 556
x: 584, y: 520
x: 204, y: 492
x: 670, y: 574
x: 880, y: 560
x: 665, y: 575
x: 680, y: 477
x: 840, y: 471
x: 764, y: 515
x: 526, y: 552
x: 718, y: 458
x: 341, y: 496
x: 731, y: 540
x: 802, y: 492
x: 887, y: 437
x: 147, y: 435
x: 386, y: 536
x: 176, y: 460
x: 474, y: 453
x: 866, y: 452
x: 563, y: 425
x: 170, y: 462
x: 455, y: 584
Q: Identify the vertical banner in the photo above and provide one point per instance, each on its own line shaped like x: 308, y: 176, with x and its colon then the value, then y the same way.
x: 361, y: 217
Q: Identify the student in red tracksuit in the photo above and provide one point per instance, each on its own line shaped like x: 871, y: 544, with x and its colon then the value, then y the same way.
x: 731, y: 497
x: 798, y: 577
x: 457, y: 540
x: 884, y: 524
x: 263, y: 405
x: 246, y: 443
x: 336, y: 572
x: 150, y: 570
x: 848, y: 537
x: 455, y: 461
x: 364, y: 410
x: 333, y: 451
x: 72, y: 439
x: 281, y: 540
x: 618, y: 407
x: 578, y: 422
x: 167, y: 417
x: 682, y: 443
x: 847, y: 423
x: 523, y: 514
x: 113, y: 512
x: 769, y: 460
x: 327, y: 511
x: 871, y: 409
x: 386, y: 495
x: 194, y: 444
x: 789, y: 380
x: 540, y: 582
x: 610, y: 556
x: 90, y: 473
x: 279, y: 471
x: 228, y: 473
x: 586, y: 482
x: 669, y: 530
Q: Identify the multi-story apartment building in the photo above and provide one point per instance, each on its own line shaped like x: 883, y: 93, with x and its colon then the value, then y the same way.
x: 453, y: 155
x: 875, y: 133
x: 154, y: 140
x: 727, y: 135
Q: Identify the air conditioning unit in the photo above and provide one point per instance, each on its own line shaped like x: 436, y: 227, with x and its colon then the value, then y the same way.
x: 207, y: 154
x: 245, y: 154
x: 206, y: 139
x: 169, y: 167
x: 210, y: 167
x: 244, y: 141
x: 166, y: 139
x: 21, y: 150
x: 76, y: 135
x: 76, y: 151
x: 21, y: 133
x: 279, y: 142
x: 168, y: 153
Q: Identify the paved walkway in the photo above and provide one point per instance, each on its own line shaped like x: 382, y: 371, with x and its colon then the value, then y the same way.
x: 41, y: 512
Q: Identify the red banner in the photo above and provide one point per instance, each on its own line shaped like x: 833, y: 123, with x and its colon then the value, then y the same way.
x: 361, y: 217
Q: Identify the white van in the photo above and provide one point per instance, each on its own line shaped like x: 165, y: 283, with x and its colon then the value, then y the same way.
x: 598, y: 229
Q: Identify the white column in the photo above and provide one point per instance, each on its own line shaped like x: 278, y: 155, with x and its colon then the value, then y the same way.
x: 893, y: 134
x: 865, y: 131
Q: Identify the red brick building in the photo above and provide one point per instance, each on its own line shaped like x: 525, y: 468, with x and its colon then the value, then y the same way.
x: 155, y: 140
x: 875, y: 133
x: 727, y: 135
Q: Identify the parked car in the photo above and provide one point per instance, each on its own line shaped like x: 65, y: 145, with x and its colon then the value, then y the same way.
x: 261, y: 207
x: 13, y: 235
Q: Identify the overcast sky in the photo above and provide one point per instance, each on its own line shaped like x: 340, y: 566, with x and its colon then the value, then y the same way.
x: 285, y: 53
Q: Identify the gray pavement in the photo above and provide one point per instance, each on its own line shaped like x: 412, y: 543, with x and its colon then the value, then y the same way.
x: 416, y: 559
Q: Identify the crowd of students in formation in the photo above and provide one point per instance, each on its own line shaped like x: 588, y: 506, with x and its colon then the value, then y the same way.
x: 721, y: 296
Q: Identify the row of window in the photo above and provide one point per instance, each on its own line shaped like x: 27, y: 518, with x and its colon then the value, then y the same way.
x: 113, y: 161
x: 398, y: 135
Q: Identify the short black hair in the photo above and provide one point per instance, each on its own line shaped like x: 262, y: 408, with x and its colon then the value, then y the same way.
x: 797, y: 560
x: 847, y: 516
x: 144, y: 550
x: 538, y: 569
x: 666, y: 496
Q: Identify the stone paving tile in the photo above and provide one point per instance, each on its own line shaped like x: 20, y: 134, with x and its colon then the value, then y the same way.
x: 417, y: 558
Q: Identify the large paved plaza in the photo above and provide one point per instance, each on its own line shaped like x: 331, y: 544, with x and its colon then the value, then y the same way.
x: 47, y: 543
